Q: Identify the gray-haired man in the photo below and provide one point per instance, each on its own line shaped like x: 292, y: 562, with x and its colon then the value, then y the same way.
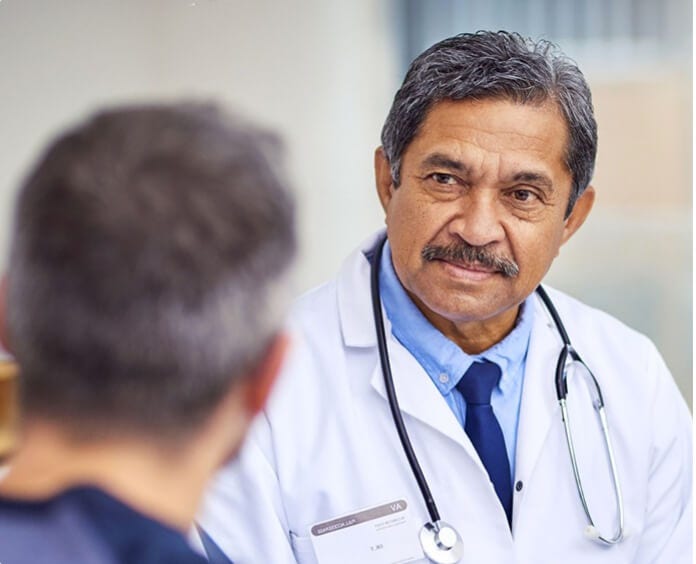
x: 483, y: 173
x: 144, y: 302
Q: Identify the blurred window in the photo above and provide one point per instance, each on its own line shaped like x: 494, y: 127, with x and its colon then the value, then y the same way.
x: 603, y: 32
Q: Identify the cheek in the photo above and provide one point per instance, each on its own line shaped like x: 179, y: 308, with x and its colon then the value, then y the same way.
x: 406, y: 220
x: 421, y: 221
x: 535, y: 251
x: 410, y: 229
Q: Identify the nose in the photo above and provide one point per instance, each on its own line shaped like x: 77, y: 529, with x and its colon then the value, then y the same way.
x: 477, y: 221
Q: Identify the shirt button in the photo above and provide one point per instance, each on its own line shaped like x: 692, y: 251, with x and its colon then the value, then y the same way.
x: 519, y: 485
x: 444, y: 378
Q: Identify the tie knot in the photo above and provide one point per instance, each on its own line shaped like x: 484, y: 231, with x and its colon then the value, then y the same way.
x: 478, y: 382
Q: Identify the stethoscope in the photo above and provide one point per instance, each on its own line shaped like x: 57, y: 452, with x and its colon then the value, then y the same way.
x: 440, y: 541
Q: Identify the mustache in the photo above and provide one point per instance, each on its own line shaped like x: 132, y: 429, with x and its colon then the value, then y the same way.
x: 465, y: 253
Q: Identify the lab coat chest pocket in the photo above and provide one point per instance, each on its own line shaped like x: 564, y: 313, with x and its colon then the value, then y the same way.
x: 302, y: 547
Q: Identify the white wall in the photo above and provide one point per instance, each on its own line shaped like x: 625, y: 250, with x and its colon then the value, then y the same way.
x: 319, y: 72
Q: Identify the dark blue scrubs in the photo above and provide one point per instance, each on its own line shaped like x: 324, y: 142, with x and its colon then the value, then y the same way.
x: 85, y: 525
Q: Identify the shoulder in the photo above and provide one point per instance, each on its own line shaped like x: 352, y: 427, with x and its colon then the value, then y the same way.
x: 37, y: 532
x: 586, y: 323
x: 627, y: 362
x: 314, y: 327
x: 338, y: 313
x: 85, y: 524
x: 319, y: 303
x: 621, y: 357
x: 332, y: 335
x: 347, y: 292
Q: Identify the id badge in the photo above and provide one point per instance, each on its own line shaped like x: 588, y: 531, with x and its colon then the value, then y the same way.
x: 385, y: 534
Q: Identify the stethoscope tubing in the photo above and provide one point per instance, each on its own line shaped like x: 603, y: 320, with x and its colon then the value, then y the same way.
x: 567, y: 351
x: 391, y: 392
x: 561, y: 392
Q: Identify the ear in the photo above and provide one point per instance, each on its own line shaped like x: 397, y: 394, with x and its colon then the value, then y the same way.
x: 224, y: 433
x: 258, y: 384
x: 581, y: 210
x: 4, y: 340
x: 383, y: 178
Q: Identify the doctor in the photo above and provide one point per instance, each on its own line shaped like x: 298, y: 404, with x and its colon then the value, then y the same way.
x: 484, y: 173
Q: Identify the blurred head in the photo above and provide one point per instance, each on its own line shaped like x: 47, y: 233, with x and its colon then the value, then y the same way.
x: 502, y: 66
x: 487, y: 154
x: 147, y: 269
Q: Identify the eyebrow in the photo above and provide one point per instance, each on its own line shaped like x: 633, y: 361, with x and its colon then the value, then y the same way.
x: 537, y: 178
x: 442, y: 160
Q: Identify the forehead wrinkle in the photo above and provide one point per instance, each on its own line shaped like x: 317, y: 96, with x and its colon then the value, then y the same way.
x: 490, y: 139
x: 487, y: 132
x: 486, y: 147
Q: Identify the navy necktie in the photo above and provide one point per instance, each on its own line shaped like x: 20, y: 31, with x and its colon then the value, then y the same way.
x: 484, y: 430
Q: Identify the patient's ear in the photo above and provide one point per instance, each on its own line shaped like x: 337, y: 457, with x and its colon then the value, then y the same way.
x: 246, y: 397
x: 4, y: 340
x: 259, y: 383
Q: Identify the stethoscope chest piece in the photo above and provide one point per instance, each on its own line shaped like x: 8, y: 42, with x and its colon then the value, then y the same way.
x: 441, y: 543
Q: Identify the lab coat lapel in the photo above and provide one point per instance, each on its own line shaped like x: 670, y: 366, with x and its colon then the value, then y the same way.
x: 417, y: 395
x: 354, y: 300
x: 538, y: 407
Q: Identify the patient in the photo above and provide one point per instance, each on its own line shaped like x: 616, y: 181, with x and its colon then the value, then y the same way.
x: 145, y: 293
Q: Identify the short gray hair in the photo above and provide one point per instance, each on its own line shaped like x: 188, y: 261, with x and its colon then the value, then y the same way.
x: 146, y: 271
x: 495, y: 65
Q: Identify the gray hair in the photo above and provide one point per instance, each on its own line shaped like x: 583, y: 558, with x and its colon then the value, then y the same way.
x: 146, y: 270
x: 496, y: 65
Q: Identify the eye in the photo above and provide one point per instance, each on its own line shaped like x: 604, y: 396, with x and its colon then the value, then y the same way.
x: 522, y: 195
x: 443, y: 178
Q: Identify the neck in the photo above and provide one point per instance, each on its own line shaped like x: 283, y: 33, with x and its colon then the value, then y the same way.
x: 160, y: 483
x: 473, y: 337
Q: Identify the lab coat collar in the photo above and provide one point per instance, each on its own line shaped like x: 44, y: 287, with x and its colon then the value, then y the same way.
x: 354, y: 301
x: 539, y: 406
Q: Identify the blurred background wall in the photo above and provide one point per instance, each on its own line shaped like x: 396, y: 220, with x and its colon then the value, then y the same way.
x: 323, y: 73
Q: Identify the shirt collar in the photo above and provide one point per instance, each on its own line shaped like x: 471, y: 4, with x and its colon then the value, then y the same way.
x: 441, y: 358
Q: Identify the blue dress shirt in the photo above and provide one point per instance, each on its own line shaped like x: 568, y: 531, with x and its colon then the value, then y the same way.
x: 446, y: 363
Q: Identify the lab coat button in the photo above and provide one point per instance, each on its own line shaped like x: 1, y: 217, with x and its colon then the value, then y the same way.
x: 519, y: 485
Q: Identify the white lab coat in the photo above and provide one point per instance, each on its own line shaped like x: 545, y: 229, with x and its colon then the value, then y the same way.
x: 326, y: 445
